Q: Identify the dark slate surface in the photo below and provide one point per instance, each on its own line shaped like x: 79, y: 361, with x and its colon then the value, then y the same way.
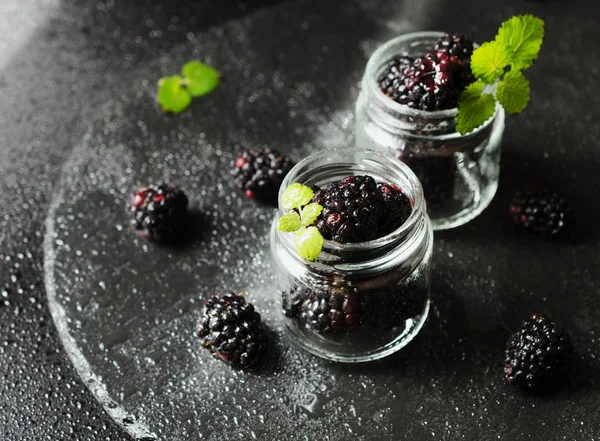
x: 60, y: 60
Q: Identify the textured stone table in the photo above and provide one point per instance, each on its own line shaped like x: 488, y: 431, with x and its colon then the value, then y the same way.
x: 61, y: 62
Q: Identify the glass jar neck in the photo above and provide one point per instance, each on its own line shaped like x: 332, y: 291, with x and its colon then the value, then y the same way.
x: 399, y: 119
x: 403, y: 245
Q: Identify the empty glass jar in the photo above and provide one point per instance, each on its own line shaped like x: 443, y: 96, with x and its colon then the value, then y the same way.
x: 358, y: 301
x: 459, y: 173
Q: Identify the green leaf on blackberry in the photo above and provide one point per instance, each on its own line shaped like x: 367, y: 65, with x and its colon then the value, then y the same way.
x: 310, y: 213
x: 296, y: 196
x: 289, y: 222
x: 200, y: 78
x: 513, y: 92
x: 474, y: 108
x: 171, y: 96
x: 309, y: 243
x: 489, y: 61
x: 523, y: 36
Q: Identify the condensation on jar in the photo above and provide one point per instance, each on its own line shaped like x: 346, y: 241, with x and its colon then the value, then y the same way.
x: 358, y: 301
x: 459, y: 173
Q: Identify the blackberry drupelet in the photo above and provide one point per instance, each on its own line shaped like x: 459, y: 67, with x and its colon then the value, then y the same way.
x: 455, y: 44
x: 537, y: 354
x: 259, y: 173
x: 431, y: 82
x: 541, y: 211
x: 232, y: 330
x: 397, y: 208
x: 353, y: 209
x: 159, y: 211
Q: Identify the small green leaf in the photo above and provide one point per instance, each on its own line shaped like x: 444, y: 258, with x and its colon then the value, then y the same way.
x: 309, y: 243
x: 513, y: 92
x: 489, y: 60
x: 474, y: 108
x: 201, y: 79
x: 289, y: 222
x: 523, y: 36
x: 310, y: 213
x: 296, y: 196
x: 171, y: 96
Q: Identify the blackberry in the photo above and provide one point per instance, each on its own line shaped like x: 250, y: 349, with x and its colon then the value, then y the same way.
x: 541, y: 211
x: 537, y: 354
x: 397, y: 208
x: 357, y: 209
x: 353, y: 209
x: 159, y: 211
x: 259, y: 173
x: 323, y: 311
x: 232, y: 330
x: 456, y: 45
x: 431, y: 82
x: 326, y: 312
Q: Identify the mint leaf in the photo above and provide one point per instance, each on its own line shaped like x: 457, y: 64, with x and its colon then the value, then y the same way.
x: 201, y: 79
x: 289, y: 222
x: 309, y: 243
x: 513, y: 92
x: 310, y: 213
x: 171, y: 96
x: 489, y: 60
x: 523, y: 36
x: 296, y: 196
x: 474, y: 108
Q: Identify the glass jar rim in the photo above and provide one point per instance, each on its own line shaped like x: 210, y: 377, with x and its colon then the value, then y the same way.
x: 372, y: 72
x: 419, y: 208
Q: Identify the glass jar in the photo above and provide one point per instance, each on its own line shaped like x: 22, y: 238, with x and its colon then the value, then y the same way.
x: 379, y: 289
x: 459, y: 173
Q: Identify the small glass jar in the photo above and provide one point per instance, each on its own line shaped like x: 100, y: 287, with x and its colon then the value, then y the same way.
x: 360, y: 301
x: 459, y: 173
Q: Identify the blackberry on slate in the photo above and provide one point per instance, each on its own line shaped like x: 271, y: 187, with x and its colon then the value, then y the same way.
x: 232, y: 330
x: 537, y: 354
x: 352, y: 210
x: 397, y: 208
x: 541, y: 210
x: 159, y: 211
x: 259, y: 173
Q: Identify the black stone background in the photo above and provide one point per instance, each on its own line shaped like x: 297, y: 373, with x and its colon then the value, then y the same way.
x: 81, y: 52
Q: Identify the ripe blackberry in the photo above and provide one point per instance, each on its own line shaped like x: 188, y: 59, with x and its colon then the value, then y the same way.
x: 159, y: 211
x: 232, y: 330
x: 541, y: 210
x: 328, y: 313
x: 397, y: 208
x: 537, y: 354
x: 431, y: 82
x: 259, y: 173
x: 353, y: 209
x: 323, y: 311
x: 456, y: 45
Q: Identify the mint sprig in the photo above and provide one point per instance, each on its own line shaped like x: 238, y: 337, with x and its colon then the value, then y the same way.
x: 498, y: 66
x: 307, y: 239
x: 175, y: 92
